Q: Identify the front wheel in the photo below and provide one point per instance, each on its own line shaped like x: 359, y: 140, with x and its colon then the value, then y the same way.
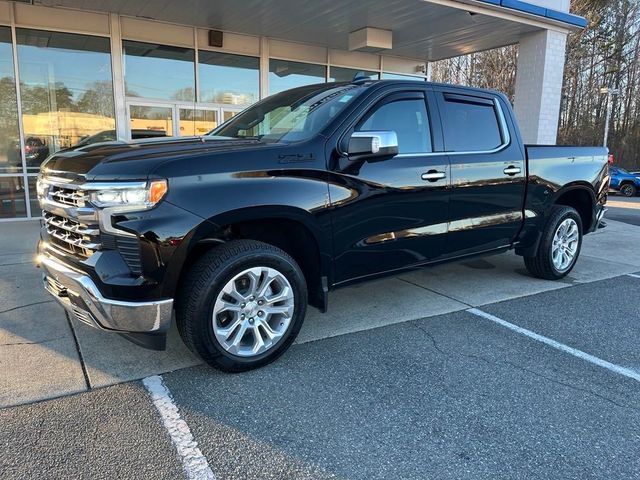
x: 559, y: 246
x: 628, y: 190
x: 241, y: 305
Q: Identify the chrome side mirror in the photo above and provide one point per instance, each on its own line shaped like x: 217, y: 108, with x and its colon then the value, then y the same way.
x: 369, y: 145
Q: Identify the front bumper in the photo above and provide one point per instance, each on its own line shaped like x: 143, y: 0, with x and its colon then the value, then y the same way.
x: 80, y: 296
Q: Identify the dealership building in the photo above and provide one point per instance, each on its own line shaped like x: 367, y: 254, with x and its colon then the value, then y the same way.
x: 74, y: 71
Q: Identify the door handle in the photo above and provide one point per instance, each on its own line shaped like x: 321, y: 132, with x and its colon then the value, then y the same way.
x: 433, y: 176
x: 511, y: 170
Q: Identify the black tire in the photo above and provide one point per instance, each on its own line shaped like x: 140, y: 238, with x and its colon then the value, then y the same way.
x: 628, y: 190
x: 204, y: 281
x: 541, y: 265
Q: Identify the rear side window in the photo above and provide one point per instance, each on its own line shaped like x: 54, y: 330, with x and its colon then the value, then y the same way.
x: 408, y: 118
x: 470, y: 125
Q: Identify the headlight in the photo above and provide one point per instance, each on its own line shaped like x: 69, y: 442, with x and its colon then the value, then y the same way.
x: 128, y: 196
x: 41, y: 187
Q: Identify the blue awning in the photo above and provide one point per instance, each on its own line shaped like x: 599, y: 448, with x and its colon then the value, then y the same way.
x: 526, y: 7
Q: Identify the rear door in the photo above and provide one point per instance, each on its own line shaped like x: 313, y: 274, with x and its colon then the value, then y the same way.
x: 488, y: 172
x: 393, y: 213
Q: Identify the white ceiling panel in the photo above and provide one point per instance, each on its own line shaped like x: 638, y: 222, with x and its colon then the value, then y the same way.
x: 421, y: 30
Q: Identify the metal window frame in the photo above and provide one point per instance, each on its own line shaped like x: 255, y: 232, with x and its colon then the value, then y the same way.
x: 121, y: 101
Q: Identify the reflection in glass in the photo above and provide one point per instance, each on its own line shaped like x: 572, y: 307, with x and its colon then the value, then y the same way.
x: 66, y: 90
x: 226, y: 78
x: 293, y: 115
x: 36, y: 211
x: 196, y: 122
x: 12, y: 197
x: 10, y: 161
x: 399, y: 76
x: 341, y: 74
x: 228, y: 114
x: 284, y: 75
x: 143, y: 120
x: 159, y: 71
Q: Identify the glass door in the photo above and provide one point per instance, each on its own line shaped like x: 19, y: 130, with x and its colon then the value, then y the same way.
x: 150, y: 120
x: 196, y: 121
x: 228, y: 113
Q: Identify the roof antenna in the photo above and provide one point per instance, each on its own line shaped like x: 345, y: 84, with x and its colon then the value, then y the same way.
x: 360, y: 77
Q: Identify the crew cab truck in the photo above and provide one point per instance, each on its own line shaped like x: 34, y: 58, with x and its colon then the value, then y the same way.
x: 308, y: 190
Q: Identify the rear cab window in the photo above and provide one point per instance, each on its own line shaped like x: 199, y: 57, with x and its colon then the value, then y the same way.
x: 471, y: 124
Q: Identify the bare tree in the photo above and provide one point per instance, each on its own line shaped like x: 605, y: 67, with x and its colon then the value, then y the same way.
x: 606, y: 53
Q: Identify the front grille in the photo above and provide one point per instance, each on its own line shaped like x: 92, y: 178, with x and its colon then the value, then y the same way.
x: 68, y: 196
x: 72, y: 236
x: 71, y: 224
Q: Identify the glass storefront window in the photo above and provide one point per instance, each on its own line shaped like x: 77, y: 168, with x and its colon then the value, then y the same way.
x: 229, y: 79
x: 159, y: 71
x: 341, y: 74
x: 12, y: 195
x: 284, y: 74
x: 399, y: 76
x: 66, y: 90
x: 10, y: 159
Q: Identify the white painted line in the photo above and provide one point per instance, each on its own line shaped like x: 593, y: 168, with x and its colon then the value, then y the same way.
x: 625, y: 372
x: 194, y: 462
x: 633, y: 275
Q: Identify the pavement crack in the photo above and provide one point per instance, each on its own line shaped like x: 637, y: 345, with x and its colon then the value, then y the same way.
x: 572, y: 387
x: 32, y: 343
x: 85, y: 373
x: 434, y: 291
x: 441, y: 351
x: 25, y: 306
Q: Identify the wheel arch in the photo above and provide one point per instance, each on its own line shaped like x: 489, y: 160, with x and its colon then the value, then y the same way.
x: 578, y: 195
x: 291, y: 229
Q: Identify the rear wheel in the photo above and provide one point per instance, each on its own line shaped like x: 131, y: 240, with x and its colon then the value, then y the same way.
x: 242, y: 305
x: 559, y: 246
x: 628, y: 190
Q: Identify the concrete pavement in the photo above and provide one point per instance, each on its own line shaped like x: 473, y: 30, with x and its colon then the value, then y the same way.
x: 37, y: 342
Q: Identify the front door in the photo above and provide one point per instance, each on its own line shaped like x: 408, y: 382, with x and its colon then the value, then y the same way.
x: 393, y: 213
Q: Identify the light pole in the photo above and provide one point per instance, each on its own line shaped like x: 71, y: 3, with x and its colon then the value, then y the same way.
x: 609, y: 92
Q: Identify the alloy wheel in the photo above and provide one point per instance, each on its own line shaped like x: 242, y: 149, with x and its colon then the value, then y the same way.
x: 253, y: 311
x: 565, y: 244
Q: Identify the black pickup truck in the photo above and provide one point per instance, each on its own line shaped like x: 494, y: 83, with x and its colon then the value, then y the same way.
x: 306, y: 191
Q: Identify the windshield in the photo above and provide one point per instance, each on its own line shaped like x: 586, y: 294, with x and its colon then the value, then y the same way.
x: 291, y: 116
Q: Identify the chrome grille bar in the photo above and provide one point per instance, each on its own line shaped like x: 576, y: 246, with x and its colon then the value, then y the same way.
x: 69, y: 221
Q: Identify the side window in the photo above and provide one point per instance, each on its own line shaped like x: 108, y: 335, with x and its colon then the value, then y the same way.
x: 408, y: 118
x: 470, y: 125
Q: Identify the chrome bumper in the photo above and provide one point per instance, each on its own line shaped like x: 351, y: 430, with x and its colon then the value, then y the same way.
x: 80, y: 296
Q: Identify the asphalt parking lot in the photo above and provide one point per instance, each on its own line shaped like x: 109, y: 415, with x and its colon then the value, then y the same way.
x: 473, y: 370
x: 624, y: 209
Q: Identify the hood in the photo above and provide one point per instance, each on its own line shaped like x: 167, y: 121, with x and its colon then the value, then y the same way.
x: 137, y: 159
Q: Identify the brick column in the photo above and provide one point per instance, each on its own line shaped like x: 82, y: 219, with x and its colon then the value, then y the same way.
x: 539, y: 85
